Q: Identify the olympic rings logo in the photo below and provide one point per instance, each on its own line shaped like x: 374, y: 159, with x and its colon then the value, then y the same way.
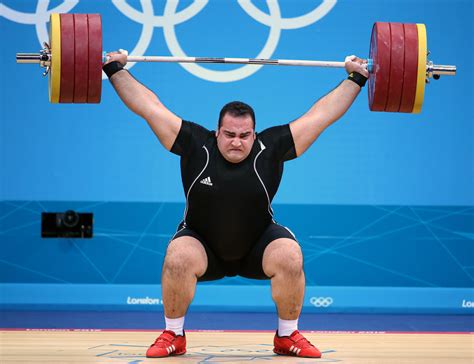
x: 321, y: 301
x: 171, y: 18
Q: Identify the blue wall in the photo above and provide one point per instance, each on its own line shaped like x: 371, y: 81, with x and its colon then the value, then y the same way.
x: 366, y: 158
x: 380, y: 200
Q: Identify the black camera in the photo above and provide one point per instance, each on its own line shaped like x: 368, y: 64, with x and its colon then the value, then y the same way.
x: 69, y: 224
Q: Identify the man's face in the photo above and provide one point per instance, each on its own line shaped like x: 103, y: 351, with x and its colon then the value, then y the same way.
x: 235, y: 137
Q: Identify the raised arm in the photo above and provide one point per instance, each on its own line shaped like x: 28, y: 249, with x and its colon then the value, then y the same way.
x: 306, y: 129
x: 143, y: 101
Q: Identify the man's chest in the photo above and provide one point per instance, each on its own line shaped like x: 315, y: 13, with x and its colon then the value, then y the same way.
x: 221, y: 180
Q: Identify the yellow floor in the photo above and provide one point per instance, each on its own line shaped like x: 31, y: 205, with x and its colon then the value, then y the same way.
x: 233, y: 347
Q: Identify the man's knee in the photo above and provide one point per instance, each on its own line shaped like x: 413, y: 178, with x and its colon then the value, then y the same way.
x: 283, y: 256
x: 185, y: 255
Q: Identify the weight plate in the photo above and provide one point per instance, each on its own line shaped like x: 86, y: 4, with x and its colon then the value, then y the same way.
x: 67, y: 58
x: 81, y: 52
x: 54, y: 81
x: 411, y: 68
x: 421, y: 74
x: 95, y: 58
x: 380, y: 54
x: 397, y: 53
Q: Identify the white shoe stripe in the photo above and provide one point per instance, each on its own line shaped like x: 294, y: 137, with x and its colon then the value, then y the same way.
x: 298, y: 352
x: 174, y: 349
x: 291, y: 348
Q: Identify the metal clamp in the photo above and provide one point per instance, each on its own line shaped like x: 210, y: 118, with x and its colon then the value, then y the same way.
x: 43, y: 58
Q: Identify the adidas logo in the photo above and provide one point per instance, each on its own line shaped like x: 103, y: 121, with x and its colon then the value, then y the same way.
x: 206, y: 181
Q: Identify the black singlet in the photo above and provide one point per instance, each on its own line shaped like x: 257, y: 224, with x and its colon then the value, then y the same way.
x: 229, y: 204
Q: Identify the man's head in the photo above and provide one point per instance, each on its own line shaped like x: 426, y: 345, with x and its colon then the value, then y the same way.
x: 236, y: 131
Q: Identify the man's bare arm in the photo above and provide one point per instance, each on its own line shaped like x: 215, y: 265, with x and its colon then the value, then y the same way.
x: 145, y: 103
x: 306, y: 129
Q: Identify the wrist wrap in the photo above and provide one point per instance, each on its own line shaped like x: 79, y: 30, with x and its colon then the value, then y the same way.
x: 357, y: 78
x: 112, y: 68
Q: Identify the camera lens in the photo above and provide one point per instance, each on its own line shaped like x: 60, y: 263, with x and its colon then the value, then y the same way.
x: 71, y: 219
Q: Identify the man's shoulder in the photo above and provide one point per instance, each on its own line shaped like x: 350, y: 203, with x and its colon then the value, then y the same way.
x: 273, y: 133
x: 196, y: 127
x: 190, y: 136
x: 197, y: 131
x: 279, y: 141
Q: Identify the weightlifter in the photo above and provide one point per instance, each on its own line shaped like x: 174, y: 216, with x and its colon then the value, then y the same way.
x: 230, y: 177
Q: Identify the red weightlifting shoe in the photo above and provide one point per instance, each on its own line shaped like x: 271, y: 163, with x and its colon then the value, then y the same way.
x: 167, y: 344
x: 295, y: 345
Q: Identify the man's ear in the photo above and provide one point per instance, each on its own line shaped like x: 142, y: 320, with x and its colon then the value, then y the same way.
x: 217, y: 133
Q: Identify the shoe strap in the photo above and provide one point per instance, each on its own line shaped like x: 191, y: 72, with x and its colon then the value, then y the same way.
x: 166, y: 337
x: 301, y: 340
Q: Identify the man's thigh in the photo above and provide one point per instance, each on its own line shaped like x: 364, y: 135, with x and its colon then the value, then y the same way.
x: 252, y: 265
x: 214, y: 269
x: 187, y: 254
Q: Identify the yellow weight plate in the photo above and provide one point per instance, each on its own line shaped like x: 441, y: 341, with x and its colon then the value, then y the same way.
x: 55, y: 70
x: 421, y: 78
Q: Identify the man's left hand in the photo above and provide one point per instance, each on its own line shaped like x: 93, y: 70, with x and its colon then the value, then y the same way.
x: 356, y: 64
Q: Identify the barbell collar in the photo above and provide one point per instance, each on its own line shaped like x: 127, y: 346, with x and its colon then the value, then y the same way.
x: 440, y: 69
x: 29, y: 58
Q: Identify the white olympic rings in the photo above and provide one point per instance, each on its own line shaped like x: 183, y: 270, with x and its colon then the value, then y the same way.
x: 171, y: 18
x: 321, y: 301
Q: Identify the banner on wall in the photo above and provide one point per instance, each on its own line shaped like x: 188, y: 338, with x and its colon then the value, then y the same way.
x: 239, y: 298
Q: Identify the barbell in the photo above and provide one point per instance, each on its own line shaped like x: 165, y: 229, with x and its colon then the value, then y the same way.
x: 397, y: 63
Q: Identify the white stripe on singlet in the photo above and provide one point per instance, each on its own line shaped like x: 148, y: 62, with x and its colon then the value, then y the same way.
x: 284, y: 227
x: 262, y: 148
x: 192, y: 184
x: 176, y: 233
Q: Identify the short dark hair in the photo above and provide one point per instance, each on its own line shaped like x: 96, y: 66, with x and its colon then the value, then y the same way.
x: 236, y: 108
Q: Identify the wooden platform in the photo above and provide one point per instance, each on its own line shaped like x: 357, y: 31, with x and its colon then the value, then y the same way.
x: 76, y: 346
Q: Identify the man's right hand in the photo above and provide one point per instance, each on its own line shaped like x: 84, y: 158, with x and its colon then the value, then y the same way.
x: 119, y: 56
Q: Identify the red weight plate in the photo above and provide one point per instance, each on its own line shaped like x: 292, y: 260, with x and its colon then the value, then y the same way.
x: 66, y: 94
x: 95, y: 58
x: 397, y: 64
x: 379, y: 79
x: 411, y: 68
x: 81, y: 51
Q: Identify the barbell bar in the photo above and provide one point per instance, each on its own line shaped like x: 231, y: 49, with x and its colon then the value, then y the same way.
x: 397, y: 63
